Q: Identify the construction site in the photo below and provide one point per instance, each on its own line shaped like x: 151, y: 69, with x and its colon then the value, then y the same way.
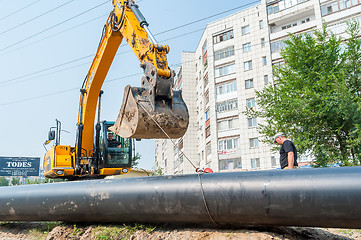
x: 88, y: 185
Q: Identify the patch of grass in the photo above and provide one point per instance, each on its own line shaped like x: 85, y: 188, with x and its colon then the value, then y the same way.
x: 150, y: 228
x: 45, y: 227
x: 120, y: 232
x: 35, y: 234
x: 346, y: 231
x: 76, y: 231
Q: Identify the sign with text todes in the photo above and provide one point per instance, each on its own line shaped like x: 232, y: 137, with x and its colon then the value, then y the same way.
x: 19, y: 166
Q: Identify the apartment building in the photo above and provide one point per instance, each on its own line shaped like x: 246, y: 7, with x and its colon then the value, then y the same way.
x: 234, y: 58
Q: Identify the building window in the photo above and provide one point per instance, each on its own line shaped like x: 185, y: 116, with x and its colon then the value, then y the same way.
x: 208, y: 149
x: 178, y: 160
x: 223, y: 36
x: 226, y: 88
x: 227, y: 145
x: 273, y: 162
x: 223, y: 53
x: 247, y: 65
x: 277, y: 46
x: 208, y: 131
x: 206, y: 97
x: 264, y: 61
x: 249, y: 83
x: 273, y: 8
x: 176, y: 150
x: 251, y: 102
x: 288, y: 26
x: 224, y: 70
x: 266, y: 79
x: 307, y: 20
x: 253, y: 142
x: 180, y: 143
x: 255, y: 163
x: 263, y: 42
x: 246, y: 47
x: 245, y: 30
x: 227, y: 106
x: 261, y: 24
x: 252, y: 122
x: 204, y: 55
x: 281, y: 5
x: 229, y: 164
x: 205, y: 80
x: 207, y: 115
x: 227, y: 124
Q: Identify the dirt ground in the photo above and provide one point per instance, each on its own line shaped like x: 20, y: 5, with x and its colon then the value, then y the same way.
x: 59, y: 231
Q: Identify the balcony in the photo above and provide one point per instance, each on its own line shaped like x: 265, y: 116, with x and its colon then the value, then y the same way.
x: 287, y: 12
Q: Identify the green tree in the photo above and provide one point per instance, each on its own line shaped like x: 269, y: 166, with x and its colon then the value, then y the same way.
x: 135, y: 159
x: 316, y: 96
x: 4, y: 181
x: 15, y: 181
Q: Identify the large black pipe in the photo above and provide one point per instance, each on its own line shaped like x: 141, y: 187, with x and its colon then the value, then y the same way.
x: 327, y: 197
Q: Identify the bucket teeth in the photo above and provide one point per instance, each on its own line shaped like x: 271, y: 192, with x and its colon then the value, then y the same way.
x: 140, y: 118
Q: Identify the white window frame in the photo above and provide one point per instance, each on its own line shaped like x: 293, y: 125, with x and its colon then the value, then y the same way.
x: 228, y: 144
x: 226, y: 106
x: 224, y: 70
x: 255, y: 163
x: 226, y: 88
x: 249, y: 83
x: 246, y: 47
x: 251, y: 102
x: 253, y: 142
x: 224, y: 53
x: 246, y: 30
x: 247, y: 65
x: 252, y: 122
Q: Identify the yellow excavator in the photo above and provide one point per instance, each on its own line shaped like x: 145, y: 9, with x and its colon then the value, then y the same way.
x: 154, y: 110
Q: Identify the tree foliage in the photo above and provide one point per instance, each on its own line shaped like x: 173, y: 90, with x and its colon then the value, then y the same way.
x: 15, y: 181
x: 135, y: 159
x: 316, y: 96
x: 4, y: 181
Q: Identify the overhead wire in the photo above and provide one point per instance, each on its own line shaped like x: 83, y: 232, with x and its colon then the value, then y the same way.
x: 106, y: 81
x: 19, y: 10
x: 87, y: 63
x: 34, y: 18
x: 13, y: 80
x: 55, y: 34
x: 212, y: 16
x: 64, y: 91
x: 196, y: 21
x: 54, y: 26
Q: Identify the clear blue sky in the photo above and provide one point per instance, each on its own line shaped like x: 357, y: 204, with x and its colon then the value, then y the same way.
x: 46, y: 48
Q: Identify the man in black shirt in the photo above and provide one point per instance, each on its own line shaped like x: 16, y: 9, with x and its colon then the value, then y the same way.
x: 112, y: 142
x: 288, y: 152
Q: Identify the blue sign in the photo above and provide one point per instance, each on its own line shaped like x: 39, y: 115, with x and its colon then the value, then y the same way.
x: 19, y: 166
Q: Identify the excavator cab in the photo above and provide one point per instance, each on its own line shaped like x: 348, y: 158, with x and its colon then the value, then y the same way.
x: 112, y: 155
x: 115, y: 150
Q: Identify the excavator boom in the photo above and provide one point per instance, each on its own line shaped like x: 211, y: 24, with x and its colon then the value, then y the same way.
x: 154, y: 110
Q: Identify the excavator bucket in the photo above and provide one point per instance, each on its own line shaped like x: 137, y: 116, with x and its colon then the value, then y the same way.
x: 140, y: 117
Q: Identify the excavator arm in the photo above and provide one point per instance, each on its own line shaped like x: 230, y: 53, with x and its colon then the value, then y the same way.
x: 153, y: 110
